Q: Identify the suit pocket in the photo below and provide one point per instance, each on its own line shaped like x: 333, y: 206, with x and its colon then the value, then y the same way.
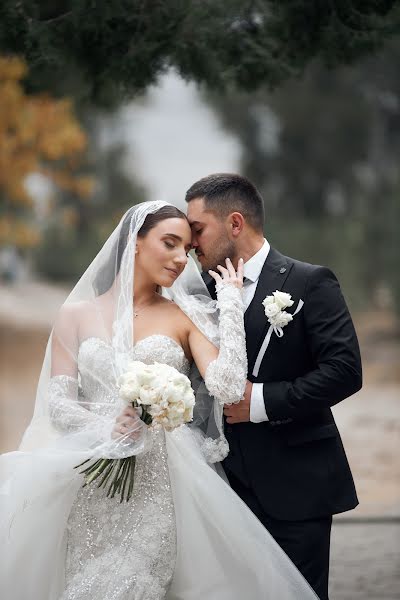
x: 312, y: 434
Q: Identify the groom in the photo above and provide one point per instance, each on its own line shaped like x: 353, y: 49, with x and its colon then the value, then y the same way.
x: 286, y: 458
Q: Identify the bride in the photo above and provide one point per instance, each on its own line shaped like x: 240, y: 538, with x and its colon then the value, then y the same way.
x: 184, y: 534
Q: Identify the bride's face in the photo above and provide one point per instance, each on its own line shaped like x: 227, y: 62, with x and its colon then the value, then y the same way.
x: 162, y: 254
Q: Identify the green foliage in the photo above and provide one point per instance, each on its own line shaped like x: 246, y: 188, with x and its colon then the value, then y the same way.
x: 65, y: 254
x: 117, y: 48
x: 76, y: 231
x: 324, y: 153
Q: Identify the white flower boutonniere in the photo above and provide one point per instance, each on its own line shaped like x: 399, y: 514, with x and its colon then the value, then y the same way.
x: 278, y: 318
x: 274, y: 307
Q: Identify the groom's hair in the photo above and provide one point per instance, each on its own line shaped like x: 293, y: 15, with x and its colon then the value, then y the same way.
x: 225, y: 193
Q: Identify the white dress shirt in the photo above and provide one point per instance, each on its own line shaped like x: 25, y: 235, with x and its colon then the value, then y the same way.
x: 251, y: 270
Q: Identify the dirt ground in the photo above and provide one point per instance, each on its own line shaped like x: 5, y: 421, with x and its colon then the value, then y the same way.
x: 365, y: 560
x: 366, y: 542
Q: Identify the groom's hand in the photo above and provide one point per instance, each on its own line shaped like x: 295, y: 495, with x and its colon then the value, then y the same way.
x: 240, y: 413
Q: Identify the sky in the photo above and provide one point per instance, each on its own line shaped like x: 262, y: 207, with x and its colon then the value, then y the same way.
x: 173, y: 139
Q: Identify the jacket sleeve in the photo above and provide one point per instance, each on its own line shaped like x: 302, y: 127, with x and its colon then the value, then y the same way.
x: 332, y: 341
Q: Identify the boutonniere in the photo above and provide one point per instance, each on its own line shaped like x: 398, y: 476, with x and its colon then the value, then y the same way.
x: 274, y: 307
x: 278, y: 318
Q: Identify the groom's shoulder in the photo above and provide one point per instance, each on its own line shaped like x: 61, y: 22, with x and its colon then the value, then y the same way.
x: 306, y: 270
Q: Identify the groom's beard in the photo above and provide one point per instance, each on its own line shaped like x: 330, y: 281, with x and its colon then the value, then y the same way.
x: 222, y: 250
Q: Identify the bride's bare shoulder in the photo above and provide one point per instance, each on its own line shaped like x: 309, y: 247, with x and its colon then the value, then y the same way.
x: 72, y: 314
x: 175, y: 312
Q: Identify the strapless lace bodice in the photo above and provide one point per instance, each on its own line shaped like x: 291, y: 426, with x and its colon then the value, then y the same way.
x: 96, y: 386
x: 96, y: 362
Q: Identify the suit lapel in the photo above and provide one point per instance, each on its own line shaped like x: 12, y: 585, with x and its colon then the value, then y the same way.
x: 210, y: 283
x: 272, y: 277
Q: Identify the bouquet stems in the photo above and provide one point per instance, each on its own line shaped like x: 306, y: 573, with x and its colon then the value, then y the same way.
x: 117, y: 475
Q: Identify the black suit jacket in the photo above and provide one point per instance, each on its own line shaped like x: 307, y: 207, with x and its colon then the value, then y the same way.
x: 295, y: 463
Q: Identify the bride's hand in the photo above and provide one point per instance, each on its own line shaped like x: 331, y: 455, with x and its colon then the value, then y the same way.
x: 127, y: 424
x: 229, y: 275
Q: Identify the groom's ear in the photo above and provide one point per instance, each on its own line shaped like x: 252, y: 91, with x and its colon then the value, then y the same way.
x: 236, y: 223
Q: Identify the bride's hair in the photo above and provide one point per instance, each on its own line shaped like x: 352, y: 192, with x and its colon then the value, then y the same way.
x: 107, y: 275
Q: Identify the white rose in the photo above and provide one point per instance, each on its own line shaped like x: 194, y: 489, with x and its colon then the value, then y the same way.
x: 189, y: 398
x: 268, y: 300
x: 134, y: 367
x: 148, y: 395
x: 178, y: 378
x: 129, y: 390
x: 146, y: 375
x: 282, y: 319
x: 164, y: 371
x: 172, y: 393
x: 271, y: 310
x: 282, y: 299
x: 188, y: 415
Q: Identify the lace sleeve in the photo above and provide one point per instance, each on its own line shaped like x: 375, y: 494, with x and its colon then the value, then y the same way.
x: 225, y: 376
x: 66, y: 412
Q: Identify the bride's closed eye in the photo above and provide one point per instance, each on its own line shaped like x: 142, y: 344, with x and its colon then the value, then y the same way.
x: 172, y: 246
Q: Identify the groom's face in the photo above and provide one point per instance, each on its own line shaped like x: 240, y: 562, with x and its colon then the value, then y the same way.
x: 210, y: 238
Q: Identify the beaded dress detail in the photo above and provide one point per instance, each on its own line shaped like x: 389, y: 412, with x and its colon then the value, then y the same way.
x: 127, y: 551
x: 119, y: 551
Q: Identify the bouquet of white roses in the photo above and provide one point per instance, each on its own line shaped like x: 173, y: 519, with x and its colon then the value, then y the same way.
x: 163, y: 396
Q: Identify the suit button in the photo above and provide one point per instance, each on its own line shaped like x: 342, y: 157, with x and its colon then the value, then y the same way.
x: 229, y: 429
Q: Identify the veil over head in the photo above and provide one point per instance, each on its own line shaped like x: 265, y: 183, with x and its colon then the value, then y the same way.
x: 111, y: 276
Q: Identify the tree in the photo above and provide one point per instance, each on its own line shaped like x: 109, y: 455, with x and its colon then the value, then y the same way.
x: 324, y: 154
x: 116, y: 48
x: 37, y: 134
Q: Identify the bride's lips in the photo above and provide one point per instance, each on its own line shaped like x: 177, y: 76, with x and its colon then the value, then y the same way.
x: 172, y: 271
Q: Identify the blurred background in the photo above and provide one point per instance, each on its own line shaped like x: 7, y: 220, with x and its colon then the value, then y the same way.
x: 106, y: 104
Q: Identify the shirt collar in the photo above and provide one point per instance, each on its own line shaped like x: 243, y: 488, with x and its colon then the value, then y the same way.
x: 252, y: 267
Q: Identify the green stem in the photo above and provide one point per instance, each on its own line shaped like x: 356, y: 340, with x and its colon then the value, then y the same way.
x: 115, y: 466
x: 115, y: 481
x: 132, y: 463
x: 91, y: 467
x: 84, y: 463
x: 126, y: 477
x: 123, y: 475
x: 106, y: 474
x: 103, y: 464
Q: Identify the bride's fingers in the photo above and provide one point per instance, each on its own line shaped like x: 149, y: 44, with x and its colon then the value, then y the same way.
x: 215, y: 276
x: 240, y: 269
x: 230, y: 268
x: 235, y: 277
x: 225, y: 272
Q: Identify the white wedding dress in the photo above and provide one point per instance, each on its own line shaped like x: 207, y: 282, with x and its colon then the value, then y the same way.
x: 184, y: 534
